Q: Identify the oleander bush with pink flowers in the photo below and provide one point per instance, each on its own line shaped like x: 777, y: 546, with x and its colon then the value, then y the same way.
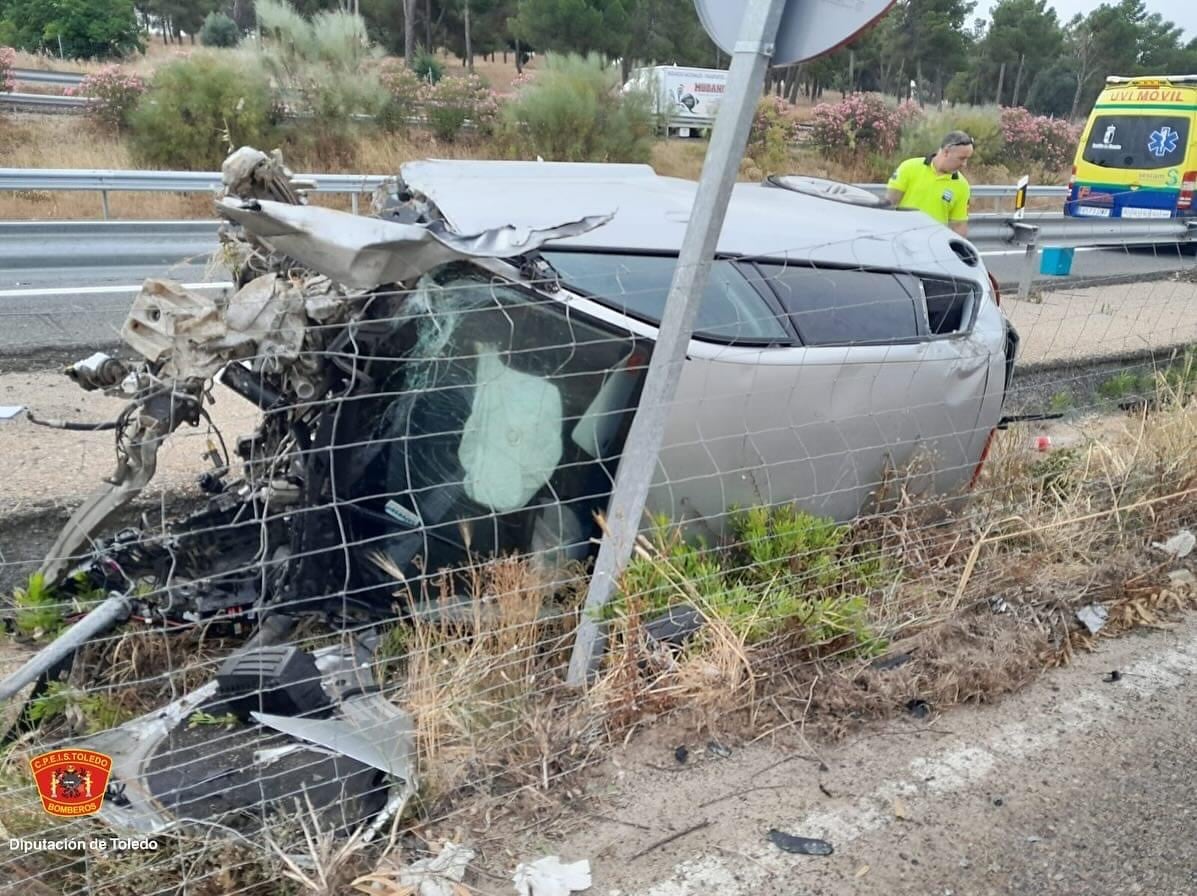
x: 1031, y: 140
x: 859, y: 125
x: 7, y: 60
x: 115, y: 94
x: 455, y: 100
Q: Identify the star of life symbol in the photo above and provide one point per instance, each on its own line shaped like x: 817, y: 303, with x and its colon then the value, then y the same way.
x: 1163, y: 142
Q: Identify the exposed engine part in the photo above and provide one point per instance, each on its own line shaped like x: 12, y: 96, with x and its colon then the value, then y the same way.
x: 98, y: 371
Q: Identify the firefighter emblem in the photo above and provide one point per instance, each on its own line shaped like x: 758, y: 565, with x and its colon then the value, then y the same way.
x: 71, y: 783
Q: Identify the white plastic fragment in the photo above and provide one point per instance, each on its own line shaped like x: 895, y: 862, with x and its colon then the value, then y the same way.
x: 439, y: 875
x: 551, y: 877
x: 8, y: 411
x: 1179, y: 545
x: 1093, y: 617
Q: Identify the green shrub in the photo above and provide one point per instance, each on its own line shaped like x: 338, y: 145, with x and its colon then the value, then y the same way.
x: 922, y: 136
x: 770, y: 138
x: 197, y: 109
x: 575, y: 112
x: 786, y: 570
x: 427, y: 67
x: 39, y: 611
x: 219, y: 31
x: 326, y: 73
x: 453, y: 101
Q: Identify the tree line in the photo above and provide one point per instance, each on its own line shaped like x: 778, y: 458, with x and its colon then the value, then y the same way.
x: 932, y: 50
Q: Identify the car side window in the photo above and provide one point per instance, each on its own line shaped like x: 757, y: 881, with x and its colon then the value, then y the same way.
x: 845, y: 307
x: 732, y: 310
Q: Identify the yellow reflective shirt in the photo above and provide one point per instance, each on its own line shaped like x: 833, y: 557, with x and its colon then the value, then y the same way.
x: 943, y: 196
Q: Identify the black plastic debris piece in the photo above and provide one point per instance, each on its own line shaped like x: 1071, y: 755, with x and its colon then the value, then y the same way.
x: 280, y: 680
x: 893, y: 661
x: 806, y: 846
x: 681, y: 754
x: 1112, y: 675
x: 998, y: 801
x: 675, y: 626
x: 717, y: 749
x: 918, y: 708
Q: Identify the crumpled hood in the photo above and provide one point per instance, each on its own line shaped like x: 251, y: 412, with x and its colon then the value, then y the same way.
x: 363, y: 252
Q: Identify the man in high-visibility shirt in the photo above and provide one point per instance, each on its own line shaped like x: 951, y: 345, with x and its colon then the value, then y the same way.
x: 934, y: 184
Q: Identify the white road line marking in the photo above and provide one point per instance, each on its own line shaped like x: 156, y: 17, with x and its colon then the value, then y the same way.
x: 94, y: 290
x: 941, y: 773
x: 1024, y: 251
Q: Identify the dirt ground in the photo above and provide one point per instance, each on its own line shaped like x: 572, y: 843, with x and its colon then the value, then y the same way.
x: 57, y: 465
x: 1071, y: 324
x: 1077, y: 785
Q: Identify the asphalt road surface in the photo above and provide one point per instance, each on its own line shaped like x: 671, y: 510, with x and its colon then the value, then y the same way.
x: 62, y: 289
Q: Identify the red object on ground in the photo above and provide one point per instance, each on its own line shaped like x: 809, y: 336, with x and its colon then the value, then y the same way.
x: 1043, y: 443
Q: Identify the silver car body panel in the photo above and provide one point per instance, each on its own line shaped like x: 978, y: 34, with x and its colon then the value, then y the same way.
x: 819, y: 424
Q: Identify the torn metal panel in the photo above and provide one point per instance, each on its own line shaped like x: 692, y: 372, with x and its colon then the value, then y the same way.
x: 366, y: 252
x: 170, y: 768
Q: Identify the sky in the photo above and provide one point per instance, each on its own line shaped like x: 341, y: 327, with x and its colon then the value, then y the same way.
x: 1174, y: 10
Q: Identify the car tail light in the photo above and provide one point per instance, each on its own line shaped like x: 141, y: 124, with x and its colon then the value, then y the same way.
x: 1188, y: 185
x: 1072, y: 179
x: 984, y: 456
x: 997, y: 293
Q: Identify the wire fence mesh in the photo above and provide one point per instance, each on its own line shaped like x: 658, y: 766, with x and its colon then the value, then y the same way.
x: 348, y: 597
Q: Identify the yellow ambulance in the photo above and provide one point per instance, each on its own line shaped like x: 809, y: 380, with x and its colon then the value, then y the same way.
x: 1138, y: 152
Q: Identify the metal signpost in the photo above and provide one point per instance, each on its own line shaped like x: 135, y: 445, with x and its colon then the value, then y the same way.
x: 754, y: 33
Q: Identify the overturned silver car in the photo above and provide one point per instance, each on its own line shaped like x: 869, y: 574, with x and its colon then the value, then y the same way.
x: 454, y: 376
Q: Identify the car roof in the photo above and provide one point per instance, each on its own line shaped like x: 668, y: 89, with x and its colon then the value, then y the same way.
x: 651, y: 213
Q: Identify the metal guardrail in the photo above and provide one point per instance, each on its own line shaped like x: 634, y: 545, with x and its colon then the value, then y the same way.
x: 46, y: 101
x: 205, y: 181
x: 38, y: 76
x: 1031, y: 231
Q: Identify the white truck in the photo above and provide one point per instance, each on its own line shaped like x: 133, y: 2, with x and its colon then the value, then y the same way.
x: 685, y: 100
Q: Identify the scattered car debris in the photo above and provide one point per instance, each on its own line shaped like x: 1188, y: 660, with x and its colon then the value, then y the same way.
x: 999, y: 604
x: 891, y: 661
x: 998, y: 801
x: 681, y: 754
x: 1093, y: 617
x: 807, y: 846
x: 1112, y: 676
x: 550, y: 876
x: 1183, y: 578
x: 9, y: 411
x: 674, y: 626
x: 1179, y: 545
x: 344, y: 744
x: 918, y: 708
x: 440, y: 875
x: 718, y: 750
x: 899, y: 808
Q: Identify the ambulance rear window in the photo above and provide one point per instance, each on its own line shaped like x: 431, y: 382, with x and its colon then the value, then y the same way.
x: 1137, y: 141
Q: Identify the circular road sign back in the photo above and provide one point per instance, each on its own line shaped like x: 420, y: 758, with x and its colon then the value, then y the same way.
x: 809, y: 28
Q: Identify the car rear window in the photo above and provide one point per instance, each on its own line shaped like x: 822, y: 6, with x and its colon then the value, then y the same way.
x: 1137, y: 141
x: 638, y: 285
x: 845, y: 307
